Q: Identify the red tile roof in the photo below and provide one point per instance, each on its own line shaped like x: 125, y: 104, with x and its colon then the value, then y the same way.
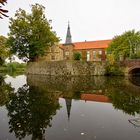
x: 91, y: 44
x: 99, y: 44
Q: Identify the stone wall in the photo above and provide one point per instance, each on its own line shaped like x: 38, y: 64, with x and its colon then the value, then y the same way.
x: 128, y: 66
x: 66, y: 68
x: 131, y: 63
x: 54, y: 53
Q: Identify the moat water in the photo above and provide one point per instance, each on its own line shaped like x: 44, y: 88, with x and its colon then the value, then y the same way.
x: 69, y: 108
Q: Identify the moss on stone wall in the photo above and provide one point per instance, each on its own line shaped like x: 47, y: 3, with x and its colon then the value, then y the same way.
x: 66, y: 68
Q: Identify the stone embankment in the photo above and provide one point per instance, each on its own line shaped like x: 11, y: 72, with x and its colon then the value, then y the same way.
x: 66, y: 68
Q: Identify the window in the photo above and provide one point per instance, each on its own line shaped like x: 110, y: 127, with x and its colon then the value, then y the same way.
x: 88, y: 52
x: 53, y: 57
x: 100, y: 52
x: 94, y: 55
x: 66, y: 53
x: 88, y: 55
x: 52, y: 49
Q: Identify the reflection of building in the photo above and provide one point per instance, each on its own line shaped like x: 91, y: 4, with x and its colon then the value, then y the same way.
x: 89, y: 50
x: 86, y: 97
x: 68, y: 106
x: 95, y: 97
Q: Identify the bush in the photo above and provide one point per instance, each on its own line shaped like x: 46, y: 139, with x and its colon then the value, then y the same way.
x: 77, y: 56
x: 1, y: 61
x: 13, y: 67
x: 136, y: 56
x: 113, y: 70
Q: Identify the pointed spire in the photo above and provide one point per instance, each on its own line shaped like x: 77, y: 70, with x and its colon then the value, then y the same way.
x: 68, y: 36
x: 68, y: 106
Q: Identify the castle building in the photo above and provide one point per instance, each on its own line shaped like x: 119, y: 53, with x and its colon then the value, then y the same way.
x: 89, y: 50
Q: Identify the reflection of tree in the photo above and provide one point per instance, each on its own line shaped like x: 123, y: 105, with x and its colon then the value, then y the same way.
x: 5, y: 89
x: 122, y: 97
x: 125, y: 101
x: 31, y: 110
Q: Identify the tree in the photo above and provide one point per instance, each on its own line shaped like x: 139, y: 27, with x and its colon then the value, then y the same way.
x: 77, y: 56
x: 2, y: 11
x: 31, y: 34
x: 126, y: 45
x: 4, y: 50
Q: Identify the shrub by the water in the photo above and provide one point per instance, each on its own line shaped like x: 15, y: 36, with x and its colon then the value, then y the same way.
x: 77, y: 56
x: 113, y: 70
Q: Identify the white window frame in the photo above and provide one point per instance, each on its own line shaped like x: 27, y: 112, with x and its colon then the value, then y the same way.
x: 88, y: 55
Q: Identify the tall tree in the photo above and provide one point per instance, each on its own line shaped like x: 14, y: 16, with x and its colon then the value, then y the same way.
x: 3, y: 11
x: 126, y: 45
x: 31, y: 34
x: 4, y: 50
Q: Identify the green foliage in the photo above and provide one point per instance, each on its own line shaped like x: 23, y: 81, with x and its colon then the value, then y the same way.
x: 112, y: 67
x: 15, y: 66
x: 113, y: 70
x: 30, y: 34
x: 123, y: 96
x: 1, y: 61
x: 125, y: 45
x: 136, y: 56
x: 110, y: 59
x: 77, y: 95
x: 77, y: 56
x: 10, y: 68
x: 5, y: 90
x: 4, y: 50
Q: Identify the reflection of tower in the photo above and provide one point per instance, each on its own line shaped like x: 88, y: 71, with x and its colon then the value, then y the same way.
x: 68, y: 36
x: 68, y: 106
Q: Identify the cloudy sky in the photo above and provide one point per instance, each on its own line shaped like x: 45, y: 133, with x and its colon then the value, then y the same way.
x: 89, y: 19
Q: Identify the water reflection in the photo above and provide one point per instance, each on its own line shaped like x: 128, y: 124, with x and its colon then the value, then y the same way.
x: 33, y: 106
x: 5, y: 90
x: 117, y: 90
x: 135, y: 80
x: 30, y: 111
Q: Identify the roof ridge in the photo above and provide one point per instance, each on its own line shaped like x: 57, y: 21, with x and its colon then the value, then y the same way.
x: 91, y: 41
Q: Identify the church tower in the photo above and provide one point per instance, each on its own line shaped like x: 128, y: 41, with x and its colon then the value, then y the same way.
x: 68, y: 36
